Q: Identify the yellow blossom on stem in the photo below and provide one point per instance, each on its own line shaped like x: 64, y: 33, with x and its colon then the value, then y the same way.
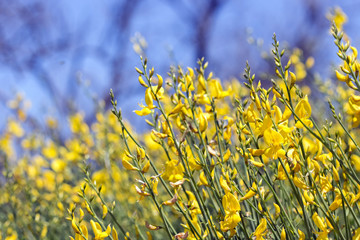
x: 303, y: 111
x: 154, y: 184
x: 224, y: 184
x: 281, y: 174
x: 174, y: 171
x: 337, y: 201
x: 104, y: 211
x: 355, y: 160
x: 261, y: 230
x: 325, y: 183
x: 193, y: 205
x: 127, y: 165
x: 309, y: 197
x: 256, y: 163
x: 322, y: 225
x: 338, y: 17
x: 143, y: 112
x: 146, y: 167
x: 203, y: 122
x: 99, y: 234
x: 217, y: 90
x: 277, y: 210
x: 177, y: 108
x: 250, y: 193
x: 74, y: 226
x: 274, y: 140
x: 283, y: 234
x: 300, y: 183
x: 356, y: 235
x: 301, y: 235
x: 114, y: 234
x: 232, y: 207
x: 149, y: 99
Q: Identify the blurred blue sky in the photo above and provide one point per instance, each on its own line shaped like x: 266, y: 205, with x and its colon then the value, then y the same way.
x: 48, y: 47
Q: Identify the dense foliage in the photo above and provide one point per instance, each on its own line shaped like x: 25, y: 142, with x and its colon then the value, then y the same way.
x: 220, y: 161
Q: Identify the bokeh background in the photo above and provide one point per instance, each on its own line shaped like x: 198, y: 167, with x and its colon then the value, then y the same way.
x: 64, y: 56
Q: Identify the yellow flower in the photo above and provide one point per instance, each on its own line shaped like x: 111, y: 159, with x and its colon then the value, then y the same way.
x: 174, y: 171
x: 338, y: 17
x: 84, y: 231
x: 74, y: 226
x: 104, y: 211
x: 146, y: 167
x: 202, y: 179
x: 266, y: 124
x: 277, y: 210
x: 114, y: 234
x: 127, y: 165
x: 77, y: 124
x: 50, y: 151
x: 154, y: 185
x: 283, y: 234
x: 286, y: 115
x: 99, y: 234
x: 193, y: 163
x: 300, y: 183
x: 142, y: 82
x: 281, y: 175
x: 341, y: 77
x: 143, y: 112
x: 203, y: 122
x: 256, y: 152
x: 193, y: 205
x: 227, y: 155
x: 309, y: 197
x: 177, y: 108
x: 354, y: 103
x: 355, y: 160
x: 250, y: 193
x: 319, y: 222
x: 230, y: 222
x: 322, y: 225
x: 140, y: 152
x: 216, y: 89
x: 301, y: 235
x: 325, y: 184
x: 356, y: 235
x: 160, y: 82
x: 273, y: 138
x: 337, y: 201
x: 303, y: 111
x: 149, y: 99
x: 260, y: 231
x: 256, y: 163
x: 15, y: 128
x: 336, y: 174
x: 190, y: 234
x: 232, y: 207
x: 250, y: 115
x: 224, y: 184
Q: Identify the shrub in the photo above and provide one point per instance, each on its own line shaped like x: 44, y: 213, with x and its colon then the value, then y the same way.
x: 221, y: 161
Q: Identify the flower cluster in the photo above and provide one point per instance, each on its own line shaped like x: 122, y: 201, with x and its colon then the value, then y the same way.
x: 245, y: 162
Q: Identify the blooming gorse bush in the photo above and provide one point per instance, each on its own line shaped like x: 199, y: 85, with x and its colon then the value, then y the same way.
x: 221, y: 161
